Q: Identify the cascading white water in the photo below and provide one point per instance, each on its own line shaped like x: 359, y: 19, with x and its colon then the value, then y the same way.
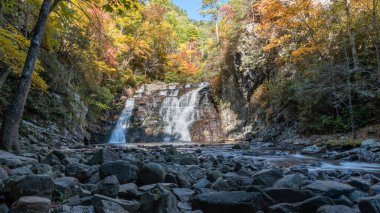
x: 118, y: 134
x: 179, y: 114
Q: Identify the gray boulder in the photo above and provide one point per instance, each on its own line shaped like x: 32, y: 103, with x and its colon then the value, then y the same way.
x: 31, y: 185
x: 124, y: 171
x: 75, y: 209
x: 312, y: 204
x: 266, y: 177
x: 330, y: 188
x: 109, y: 186
x: 103, y: 156
x: 335, y: 209
x: 370, y: 204
x: 226, y: 202
x: 152, y: 173
x: 128, y: 190
x: 65, y: 187
x: 183, y: 194
x: 131, y: 206
x: 294, y: 181
x: 80, y: 171
x: 31, y: 204
x: 287, y: 195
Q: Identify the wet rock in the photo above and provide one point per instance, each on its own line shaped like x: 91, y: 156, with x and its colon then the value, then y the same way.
x: 187, y: 160
x: 235, y: 180
x: 287, y: 195
x: 104, y: 155
x: 311, y: 150
x: 356, y: 195
x: 75, y: 209
x: 294, y: 181
x: 312, y: 204
x: 213, y: 175
x: 220, y: 185
x: 183, y: 194
x: 124, y: 171
x: 226, y: 202
x: 3, y: 174
x: 131, y: 206
x: 374, y: 189
x: 104, y: 206
x: 4, y: 208
x: 109, y: 186
x: 20, y: 171
x: 41, y: 168
x: 152, y: 173
x: 280, y: 208
x: 330, y: 188
x: 65, y: 187
x: 359, y: 183
x: 183, y: 179
x: 31, y: 185
x: 202, y: 183
x: 335, y: 209
x: 160, y: 200
x: 244, y: 145
x: 266, y: 177
x: 128, y: 190
x: 31, y: 204
x: 370, y: 143
x: 343, y: 200
x: 12, y: 161
x: 170, y: 178
x: 369, y: 204
x: 80, y: 171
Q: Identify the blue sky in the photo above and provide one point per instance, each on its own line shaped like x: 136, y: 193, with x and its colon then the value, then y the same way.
x: 191, y: 6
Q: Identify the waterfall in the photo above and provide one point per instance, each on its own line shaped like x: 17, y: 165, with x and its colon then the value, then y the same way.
x: 179, y: 114
x: 118, y: 134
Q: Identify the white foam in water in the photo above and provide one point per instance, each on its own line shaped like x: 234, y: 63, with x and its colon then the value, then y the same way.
x: 179, y: 114
x: 120, y: 131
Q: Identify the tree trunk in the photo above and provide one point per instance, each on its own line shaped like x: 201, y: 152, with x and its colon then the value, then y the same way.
x: 351, y: 35
x: 4, y: 74
x: 1, y: 13
x: 12, y: 118
x: 375, y: 27
x: 217, y: 30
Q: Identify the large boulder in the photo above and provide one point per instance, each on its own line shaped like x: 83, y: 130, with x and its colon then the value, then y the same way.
x: 109, y: 186
x: 330, y: 188
x: 266, y: 177
x: 370, y: 204
x: 294, y: 181
x: 131, y: 206
x: 226, y: 202
x: 158, y: 199
x: 286, y: 195
x: 312, y: 204
x: 183, y: 194
x: 335, y: 209
x: 65, y: 187
x: 359, y: 183
x: 103, y: 156
x: 124, y: 171
x: 31, y: 204
x: 80, y: 171
x: 152, y: 173
x: 31, y: 185
x: 104, y: 206
x: 128, y: 190
x: 75, y: 209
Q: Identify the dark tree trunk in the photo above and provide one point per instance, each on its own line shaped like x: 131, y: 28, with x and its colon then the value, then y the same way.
x: 4, y: 74
x: 1, y: 13
x: 12, y: 118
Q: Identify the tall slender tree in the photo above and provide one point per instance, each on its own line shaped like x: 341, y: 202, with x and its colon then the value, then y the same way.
x: 12, y: 118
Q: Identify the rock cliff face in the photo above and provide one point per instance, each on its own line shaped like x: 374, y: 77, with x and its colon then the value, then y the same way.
x: 245, y: 109
x: 172, y: 113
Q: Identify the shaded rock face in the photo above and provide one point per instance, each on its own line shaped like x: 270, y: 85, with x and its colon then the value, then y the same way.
x: 163, y: 113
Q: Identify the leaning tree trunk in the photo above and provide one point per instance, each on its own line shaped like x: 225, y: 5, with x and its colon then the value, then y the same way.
x: 351, y: 34
x: 12, y: 118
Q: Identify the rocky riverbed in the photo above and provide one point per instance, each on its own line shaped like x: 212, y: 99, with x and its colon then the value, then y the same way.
x: 243, y: 177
